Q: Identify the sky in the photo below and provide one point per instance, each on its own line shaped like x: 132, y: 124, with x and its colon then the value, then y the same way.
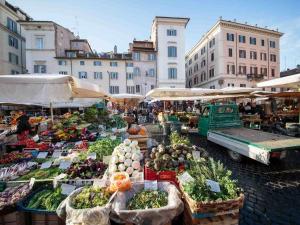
x: 106, y: 23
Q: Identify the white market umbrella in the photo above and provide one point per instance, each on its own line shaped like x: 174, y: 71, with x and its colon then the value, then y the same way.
x: 292, y: 81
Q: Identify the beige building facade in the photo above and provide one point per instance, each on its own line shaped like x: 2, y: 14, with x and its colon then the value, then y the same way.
x: 232, y: 54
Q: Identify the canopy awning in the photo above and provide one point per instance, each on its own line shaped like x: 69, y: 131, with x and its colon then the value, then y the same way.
x: 292, y: 81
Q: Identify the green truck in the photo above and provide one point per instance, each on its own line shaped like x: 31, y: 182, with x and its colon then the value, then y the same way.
x: 222, y: 125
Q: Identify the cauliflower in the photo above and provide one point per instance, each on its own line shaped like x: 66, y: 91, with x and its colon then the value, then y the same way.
x: 112, y: 168
x: 114, y: 159
x: 121, y: 158
x: 127, y: 142
x: 128, y: 155
x: 129, y: 170
x: 135, y: 173
x: 127, y: 149
x: 121, y: 167
x: 135, y: 156
x: 136, y: 165
x: 128, y: 162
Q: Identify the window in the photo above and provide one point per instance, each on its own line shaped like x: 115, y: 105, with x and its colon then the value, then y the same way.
x: 71, y: 54
x: 253, y: 55
x: 212, y: 87
x: 273, y: 72
x: 242, y: 39
x: 172, y: 73
x: 171, y: 32
x: 81, y: 63
x: 272, y: 57
x: 230, y: 37
x: 13, y: 58
x: 272, y: 44
x: 203, y: 62
x: 262, y: 42
x: 62, y: 62
x: 151, y: 73
x: 172, y: 51
x: 113, y: 64
x: 82, y: 75
x: 252, y: 41
x: 113, y: 75
x: 151, y: 57
x: 152, y: 86
x: 97, y: 75
x: 242, y: 54
x: 39, y: 42
x: 13, y: 42
x: 63, y: 72
x: 263, y: 56
x: 232, y: 84
x: 253, y: 70
x: 211, y: 73
x: 212, y: 57
x: 97, y: 63
x: 137, y: 88
x: 273, y: 89
x: 11, y: 25
x: 230, y: 69
x: 136, y: 56
x: 212, y: 42
x: 13, y: 72
x: 114, y: 89
x: 196, y: 68
x: 230, y: 52
x: 242, y: 85
x: 196, y: 56
x: 195, y: 80
x: 190, y: 61
x: 129, y: 64
x: 263, y: 71
x: 242, y: 70
x: 39, y: 69
x: 203, y: 76
x: 202, y: 50
x: 130, y: 89
x: 129, y: 76
x: 136, y: 71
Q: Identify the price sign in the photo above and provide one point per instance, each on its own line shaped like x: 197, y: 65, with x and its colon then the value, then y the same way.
x: 67, y: 189
x: 213, y: 185
x: 65, y: 164
x: 42, y: 155
x: 99, y: 183
x: 31, y: 182
x: 196, y: 155
x: 106, y: 159
x: 56, y: 154
x: 150, y: 185
x: 185, y: 178
x: 113, y: 137
x: 92, y: 155
x: 46, y: 165
x: 59, y: 177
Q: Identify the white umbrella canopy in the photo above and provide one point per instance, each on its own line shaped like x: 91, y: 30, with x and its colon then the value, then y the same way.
x: 292, y: 81
x: 126, y: 96
x: 238, y: 90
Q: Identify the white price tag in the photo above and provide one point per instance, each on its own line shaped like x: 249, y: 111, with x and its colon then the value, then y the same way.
x: 59, y: 177
x: 56, y: 154
x: 36, y: 138
x: 113, y: 137
x: 65, y: 164
x: 67, y: 189
x: 99, y: 183
x: 185, y: 178
x: 106, y: 159
x: 92, y: 155
x: 213, y: 185
x: 30, y: 164
x: 196, y: 155
x: 31, y: 182
x: 150, y: 185
x: 42, y: 155
x: 46, y: 165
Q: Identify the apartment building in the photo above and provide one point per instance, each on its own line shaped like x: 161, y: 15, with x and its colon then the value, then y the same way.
x: 12, y: 40
x: 45, y: 40
x: 168, y: 36
x: 233, y: 54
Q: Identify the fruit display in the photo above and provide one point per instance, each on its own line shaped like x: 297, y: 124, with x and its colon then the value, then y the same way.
x: 169, y: 157
x: 46, y: 199
x: 15, y: 157
x: 86, y: 170
x: 90, y: 197
x: 202, y: 170
x: 12, y: 195
x: 119, y: 181
x: 103, y: 147
x: 126, y: 158
x: 148, y: 199
x: 7, y: 173
x: 175, y: 138
x: 42, y: 173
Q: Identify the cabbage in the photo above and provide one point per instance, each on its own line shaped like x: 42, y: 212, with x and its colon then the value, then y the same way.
x: 114, y: 159
x: 136, y: 165
x: 128, y: 155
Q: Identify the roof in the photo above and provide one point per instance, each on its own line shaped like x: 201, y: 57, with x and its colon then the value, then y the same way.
x: 16, y: 9
x: 289, y: 72
x: 42, y: 21
x: 185, y: 19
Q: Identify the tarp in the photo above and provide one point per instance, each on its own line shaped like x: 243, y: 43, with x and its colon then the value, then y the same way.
x: 125, y: 97
x: 292, y: 81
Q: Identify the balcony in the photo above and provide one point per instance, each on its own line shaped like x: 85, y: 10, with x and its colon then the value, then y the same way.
x: 255, y: 77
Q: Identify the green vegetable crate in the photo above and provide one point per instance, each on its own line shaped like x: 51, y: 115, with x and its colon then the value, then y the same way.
x: 211, y: 213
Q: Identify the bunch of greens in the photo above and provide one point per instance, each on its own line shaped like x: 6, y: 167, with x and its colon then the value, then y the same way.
x: 117, y: 121
x: 91, y: 114
x: 103, y: 147
x: 202, y: 170
x: 91, y: 197
x: 175, y: 138
x: 148, y: 199
x: 42, y: 173
x: 46, y: 199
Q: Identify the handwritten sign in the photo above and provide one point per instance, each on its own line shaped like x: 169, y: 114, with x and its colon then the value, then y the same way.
x: 67, y: 189
x: 213, y: 185
x: 196, y: 155
x: 56, y: 154
x: 31, y: 182
x: 92, y: 155
x: 65, y: 164
x: 185, y: 178
x: 106, y: 159
x: 46, y: 165
x: 42, y: 155
x: 150, y: 185
x: 99, y: 183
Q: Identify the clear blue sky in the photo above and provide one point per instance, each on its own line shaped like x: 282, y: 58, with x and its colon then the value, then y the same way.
x: 108, y: 22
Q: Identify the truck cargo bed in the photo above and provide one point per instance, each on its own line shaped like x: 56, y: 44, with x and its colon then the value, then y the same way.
x: 264, y: 140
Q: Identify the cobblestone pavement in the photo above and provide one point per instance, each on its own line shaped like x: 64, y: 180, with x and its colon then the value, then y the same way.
x: 272, y: 193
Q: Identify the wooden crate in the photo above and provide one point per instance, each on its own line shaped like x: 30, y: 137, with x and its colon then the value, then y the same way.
x: 43, y: 219
x: 13, y: 218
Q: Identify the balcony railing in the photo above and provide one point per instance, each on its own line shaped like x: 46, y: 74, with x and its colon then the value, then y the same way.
x: 255, y: 77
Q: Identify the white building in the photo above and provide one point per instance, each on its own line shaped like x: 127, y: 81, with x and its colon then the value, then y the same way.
x: 12, y: 40
x: 168, y: 36
x: 233, y: 54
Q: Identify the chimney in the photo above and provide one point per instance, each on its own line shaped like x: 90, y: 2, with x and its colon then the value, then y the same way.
x: 115, y: 49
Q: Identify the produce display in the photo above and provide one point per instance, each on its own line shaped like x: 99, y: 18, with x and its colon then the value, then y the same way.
x: 103, y: 147
x: 13, y: 171
x: 15, y: 157
x: 86, y: 170
x: 12, y: 195
x: 126, y: 158
x: 117, y: 122
x: 175, y: 138
x: 46, y: 199
x: 148, y: 199
x: 90, y: 197
x: 42, y: 173
x: 212, y: 170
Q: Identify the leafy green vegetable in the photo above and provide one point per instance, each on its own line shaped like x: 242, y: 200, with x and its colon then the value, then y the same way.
x: 202, y: 170
x: 90, y: 197
x: 42, y: 173
x: 148, y: 199
x: 175, y: 138
x: 117, y: 121
x: 103, y: 147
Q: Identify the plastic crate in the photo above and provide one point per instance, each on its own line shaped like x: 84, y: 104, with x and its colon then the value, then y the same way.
x: 166, y: 175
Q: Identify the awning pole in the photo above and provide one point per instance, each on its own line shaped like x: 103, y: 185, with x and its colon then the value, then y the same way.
x: 51, y: 112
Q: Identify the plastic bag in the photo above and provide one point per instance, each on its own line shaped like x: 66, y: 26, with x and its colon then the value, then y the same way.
x: 119, y: 181
x: 92, y: 216
x: 158, y: 216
